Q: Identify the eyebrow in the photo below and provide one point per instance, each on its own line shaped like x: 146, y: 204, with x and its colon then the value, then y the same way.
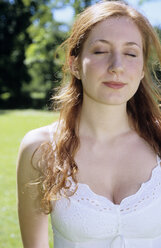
x: 129, y: 43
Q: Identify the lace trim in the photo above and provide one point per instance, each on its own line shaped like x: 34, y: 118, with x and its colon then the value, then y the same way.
x: 146, y: 195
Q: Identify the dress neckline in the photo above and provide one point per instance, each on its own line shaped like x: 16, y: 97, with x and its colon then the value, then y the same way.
x: 154, y: 170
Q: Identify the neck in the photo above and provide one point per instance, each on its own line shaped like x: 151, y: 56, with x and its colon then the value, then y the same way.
x: 103, y: 121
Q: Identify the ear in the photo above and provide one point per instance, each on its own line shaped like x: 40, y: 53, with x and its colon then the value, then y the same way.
x: 142, y: 74
x: 74, y: 66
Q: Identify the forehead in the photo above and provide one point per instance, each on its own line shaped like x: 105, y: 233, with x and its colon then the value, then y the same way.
x: 116, y: 30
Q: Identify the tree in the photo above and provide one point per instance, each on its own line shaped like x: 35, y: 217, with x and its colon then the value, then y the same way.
x: 14, y: 19
x: 43, y: 67
x: 28, y: 38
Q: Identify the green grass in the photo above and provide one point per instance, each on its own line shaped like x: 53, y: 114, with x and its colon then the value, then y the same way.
x: 13, y: 126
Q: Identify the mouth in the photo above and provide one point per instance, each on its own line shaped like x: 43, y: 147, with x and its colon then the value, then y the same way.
x: 114, y: 85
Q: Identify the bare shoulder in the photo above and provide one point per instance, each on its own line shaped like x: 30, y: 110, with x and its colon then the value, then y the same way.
x: 35, y: 137
x: 30, y: 145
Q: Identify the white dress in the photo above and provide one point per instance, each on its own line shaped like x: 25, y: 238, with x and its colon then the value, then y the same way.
x: 90, y: 220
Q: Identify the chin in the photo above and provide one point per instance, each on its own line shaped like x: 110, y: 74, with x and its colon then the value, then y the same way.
x: 114, y: 102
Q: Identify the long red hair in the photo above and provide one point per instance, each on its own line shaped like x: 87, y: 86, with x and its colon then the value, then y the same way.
x: 143, y: 107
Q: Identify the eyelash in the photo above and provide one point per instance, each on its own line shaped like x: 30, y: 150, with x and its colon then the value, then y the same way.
x: 97, y: 52
x: 132, y: 55
x: 128, y: 54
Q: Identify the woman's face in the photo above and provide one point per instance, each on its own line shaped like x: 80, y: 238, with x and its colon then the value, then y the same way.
x: 111, y: 62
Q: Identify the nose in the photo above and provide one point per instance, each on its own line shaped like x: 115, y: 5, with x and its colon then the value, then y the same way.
x: 116, y: 65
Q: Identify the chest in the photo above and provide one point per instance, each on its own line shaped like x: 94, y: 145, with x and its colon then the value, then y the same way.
x: 115, y: 173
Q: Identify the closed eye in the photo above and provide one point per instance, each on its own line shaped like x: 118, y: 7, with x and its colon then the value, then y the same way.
x: 99, y: 52
x: 130, y: 54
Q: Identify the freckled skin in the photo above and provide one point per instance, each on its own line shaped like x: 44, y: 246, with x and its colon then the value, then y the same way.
x: 112, y: 52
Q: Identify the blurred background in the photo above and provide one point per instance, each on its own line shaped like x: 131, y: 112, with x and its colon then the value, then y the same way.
x: 30, y: 33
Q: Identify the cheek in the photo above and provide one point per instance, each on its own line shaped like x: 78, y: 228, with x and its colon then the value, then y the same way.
x: 93, y: 63
x: 88, y: 68
x: 136, y: 71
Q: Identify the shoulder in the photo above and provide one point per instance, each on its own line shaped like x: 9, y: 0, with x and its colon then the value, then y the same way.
x: 31, y: 145
x: 36, y: 137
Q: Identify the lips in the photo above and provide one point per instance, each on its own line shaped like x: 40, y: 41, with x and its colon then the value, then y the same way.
x: 114, y: 85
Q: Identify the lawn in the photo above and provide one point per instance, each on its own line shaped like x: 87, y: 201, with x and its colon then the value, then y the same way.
x: 13, y: 126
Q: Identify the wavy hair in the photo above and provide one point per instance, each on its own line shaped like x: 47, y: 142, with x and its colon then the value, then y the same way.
x: 143, y: 107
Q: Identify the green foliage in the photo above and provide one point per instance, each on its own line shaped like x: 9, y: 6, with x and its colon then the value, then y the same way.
x: 28, y: 38
x: 43, y: 67
x: 46, y: 36
x: 78, y: 5
x: 14, y: 19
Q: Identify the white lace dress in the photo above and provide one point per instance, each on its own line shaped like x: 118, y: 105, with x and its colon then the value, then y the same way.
x: 90, y: 220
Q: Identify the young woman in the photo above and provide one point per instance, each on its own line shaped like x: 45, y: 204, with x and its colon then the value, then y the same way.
x: 97, y: 170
